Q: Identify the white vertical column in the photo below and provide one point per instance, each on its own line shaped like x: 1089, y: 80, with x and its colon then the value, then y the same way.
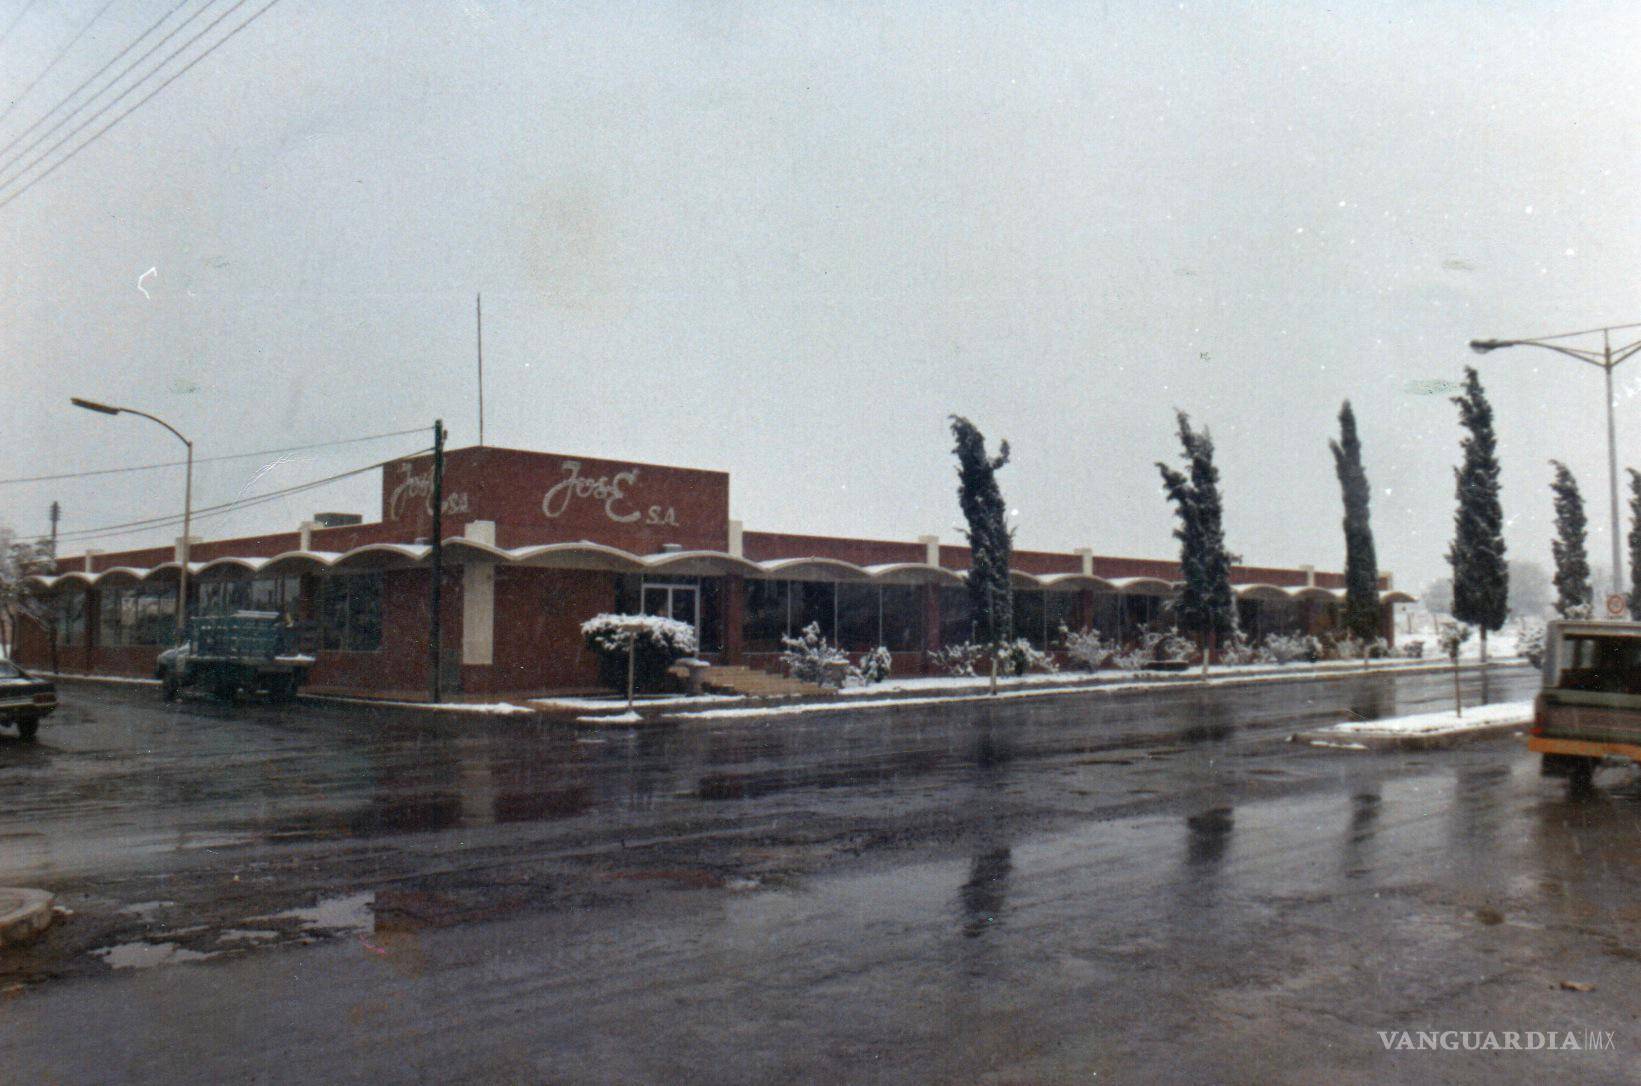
x: 479, y: 600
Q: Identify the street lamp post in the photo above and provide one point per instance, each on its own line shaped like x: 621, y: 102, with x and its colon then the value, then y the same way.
x: 187, y: 499
x: 1608, y: 358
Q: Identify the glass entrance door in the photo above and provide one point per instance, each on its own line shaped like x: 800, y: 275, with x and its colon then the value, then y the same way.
x: 677, y: 601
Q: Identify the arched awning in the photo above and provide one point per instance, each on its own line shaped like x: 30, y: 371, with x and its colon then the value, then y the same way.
x: 913, y: 573
x: 583, y: 555
x: 376, y: 556
x: 1264, y: 592
x: 121, y: 575
x: 233, y: 566
x: 1397, y: 596
x: 293, y: 563
x: 1315, y: 594
x: 1143, y: 586
x: 1019, y: 578
x: 814, y: 569
x: 1076, y: 582
x: 702, y: 564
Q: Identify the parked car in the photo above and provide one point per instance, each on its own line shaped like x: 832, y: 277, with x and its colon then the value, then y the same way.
x: 227, y: 654
x: 24, y: 699
x: 1589, y: 709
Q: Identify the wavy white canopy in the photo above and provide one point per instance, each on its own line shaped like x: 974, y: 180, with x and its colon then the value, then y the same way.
x: 596, y: 556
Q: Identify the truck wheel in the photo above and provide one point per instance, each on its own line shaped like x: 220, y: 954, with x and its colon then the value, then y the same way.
x: 1581, y: 777
x: 1563, y: 765
x: 27, y: 728
x: 226, y: 688
x: 169, y: 687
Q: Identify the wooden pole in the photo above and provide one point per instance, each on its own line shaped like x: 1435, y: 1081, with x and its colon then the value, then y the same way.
x: 478, y: 312
x: 435, y: 638
x: 632, y: 654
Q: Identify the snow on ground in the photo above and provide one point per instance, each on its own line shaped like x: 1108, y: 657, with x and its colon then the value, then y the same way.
x: 1504, y: 713
x: 613, y: 701
x: 631, y: 716
x: 1421, y: 625
x: 493, y: 708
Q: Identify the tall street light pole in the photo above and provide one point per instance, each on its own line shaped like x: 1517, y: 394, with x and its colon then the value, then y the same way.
x: 187, y: 499
x: 1607, y: 358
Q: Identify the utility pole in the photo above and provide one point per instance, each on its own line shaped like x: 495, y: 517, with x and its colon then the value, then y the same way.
x: 56, y: 515
x: 436, y: 648
x: 478, y: 313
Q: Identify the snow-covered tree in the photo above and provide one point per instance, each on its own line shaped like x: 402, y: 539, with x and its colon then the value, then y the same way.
x: 1635, y: 544
x: 991, y: 542
x: 1481, y: 580
x: 1206, y: 609
x: 811, y: 658
x: 1572, y: 579
x: 19, y: 559
x: 1361, y: 616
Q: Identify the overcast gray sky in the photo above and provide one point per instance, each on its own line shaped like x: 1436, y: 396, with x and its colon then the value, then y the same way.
x: 786, y: 240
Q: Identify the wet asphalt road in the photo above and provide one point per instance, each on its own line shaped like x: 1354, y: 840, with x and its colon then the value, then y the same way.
x: 1087, y: 889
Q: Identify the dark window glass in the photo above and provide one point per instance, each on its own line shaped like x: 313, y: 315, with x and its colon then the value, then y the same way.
x: 364, y: 612
x: 333, y: 612
x: 858, y: 617
x: 1028, y: 615
x: 956, y: 625
x: 711, y: 633
x: 815, y: 601
x: 765, y: 621
x: 1107, y: 616
x: 1060, y: 611
x: 903, y: 617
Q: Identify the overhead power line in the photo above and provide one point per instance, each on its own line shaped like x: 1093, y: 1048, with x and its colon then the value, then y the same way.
x: 85, y: 535
x: 144, y: 100
x: 210, y: 459
x: 61, y: 53
x: 15, y: 140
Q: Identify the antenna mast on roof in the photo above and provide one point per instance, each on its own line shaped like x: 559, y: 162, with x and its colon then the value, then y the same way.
x: 478, y: 312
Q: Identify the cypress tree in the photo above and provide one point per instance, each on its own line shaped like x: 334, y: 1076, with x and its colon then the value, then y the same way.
x: 1635, y: 544
x: 1481, y: 580
x: 1572, y: 579
x: 1206, y: 608
x: 991, y: 542
x: 1361, y: 564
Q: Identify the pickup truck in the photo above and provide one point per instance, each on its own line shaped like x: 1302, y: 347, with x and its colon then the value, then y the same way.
x: 1589, y: 708
x: 24, y: 699
x: 227, y: 654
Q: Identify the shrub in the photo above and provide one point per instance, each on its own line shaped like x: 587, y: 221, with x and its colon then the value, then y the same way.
x: 1239, y: 651
x: 961, y: 659
x: 1451, y: 636
x: 1286, y: 648
x: 659, y: 641
x: 1088, y: 648
x: 1530, y: 641
x: 876, y: 665
x: 810, y: 658
x: 1019, y: 658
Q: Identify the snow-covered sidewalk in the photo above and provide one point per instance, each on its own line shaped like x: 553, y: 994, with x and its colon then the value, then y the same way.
x: 1422, y: 730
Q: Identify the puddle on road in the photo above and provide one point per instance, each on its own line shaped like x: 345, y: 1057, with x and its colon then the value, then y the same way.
x: 246, y: 935
x: 146, y: 909
x: 147, y: 955
x: 352, y: 914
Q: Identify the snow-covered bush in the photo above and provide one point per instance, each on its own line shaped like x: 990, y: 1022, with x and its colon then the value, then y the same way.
x: 961, y: 659
x: 1088, y: 648
x: 1411, y: 649
x: 1021, y: 657
x: 1239, y: 650
x: 810, y: 658
x: 1286, y: 648
x: 656, y: 643
x: 876, y: 665
x: 1451, y: 635
x: 1579, y: 611
x: 1530, y: 641
x: 1138, y: 654
x: 1176, y: 649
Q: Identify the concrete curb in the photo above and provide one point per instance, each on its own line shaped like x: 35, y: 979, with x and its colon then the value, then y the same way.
x: 1326, y: 737
x: 23, y: 914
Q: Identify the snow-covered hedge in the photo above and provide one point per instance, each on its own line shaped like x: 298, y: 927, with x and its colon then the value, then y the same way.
x: 656, y: 643
x: 1088, y: 648
x: 969, y: 659
x: 810, y: 658
x: 876, y: 665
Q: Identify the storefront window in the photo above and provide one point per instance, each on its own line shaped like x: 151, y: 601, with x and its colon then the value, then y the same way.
x: 1059, y: 610
x: 139, y: 615
x: 814, y: 602
x: 956, y: 624
x: 1028, y: 616
x: 68, y: 616
x: 858, y: 614
x: 765, y: 621
x: 350, y: 612
x: 903, y: 617
x: 1107, y: 617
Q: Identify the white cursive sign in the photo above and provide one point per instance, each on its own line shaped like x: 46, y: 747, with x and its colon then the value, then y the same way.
x: 609, y: 489
x: 413, y: 487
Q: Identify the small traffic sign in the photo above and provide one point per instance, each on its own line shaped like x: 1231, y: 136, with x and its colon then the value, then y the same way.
x: 1617, y: 605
